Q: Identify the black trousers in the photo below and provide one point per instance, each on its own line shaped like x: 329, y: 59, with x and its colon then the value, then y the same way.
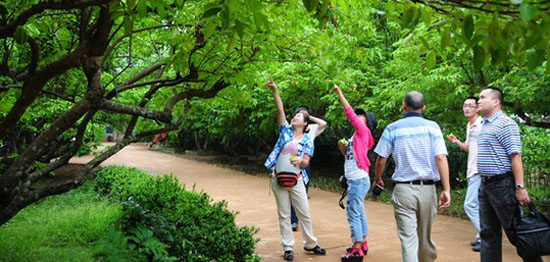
x: 497, y: 207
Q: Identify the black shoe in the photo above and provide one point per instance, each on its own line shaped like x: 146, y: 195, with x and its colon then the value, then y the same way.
x: 477, y: 247
x: 353, y: 256
x: 294, y: 226
x: 317, y: 250
x: 475, y: 242
x: 289, y: 255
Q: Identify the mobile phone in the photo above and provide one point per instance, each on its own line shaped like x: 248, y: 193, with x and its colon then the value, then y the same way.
x: 377, y: 190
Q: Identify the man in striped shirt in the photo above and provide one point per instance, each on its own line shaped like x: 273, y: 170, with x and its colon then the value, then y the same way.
x: 500, y: 166
x: 420, y: 156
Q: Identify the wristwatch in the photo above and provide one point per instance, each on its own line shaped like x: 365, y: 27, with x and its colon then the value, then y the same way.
x: 519, y: 186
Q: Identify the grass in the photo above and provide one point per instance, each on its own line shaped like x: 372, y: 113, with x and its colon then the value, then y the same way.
x: 60, y: 228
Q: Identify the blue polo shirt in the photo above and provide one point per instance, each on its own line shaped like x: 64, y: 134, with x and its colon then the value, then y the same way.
x: 413, y: 141
x: 498, y: 140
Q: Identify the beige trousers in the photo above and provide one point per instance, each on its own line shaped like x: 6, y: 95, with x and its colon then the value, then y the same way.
x: 415, y: 207
x: 297, y: 195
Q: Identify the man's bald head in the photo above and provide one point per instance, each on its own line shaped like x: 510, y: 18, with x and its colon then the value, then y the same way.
x: 414, y: 100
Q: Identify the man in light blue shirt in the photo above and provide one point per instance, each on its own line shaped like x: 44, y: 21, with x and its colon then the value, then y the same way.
x: 420, y: 157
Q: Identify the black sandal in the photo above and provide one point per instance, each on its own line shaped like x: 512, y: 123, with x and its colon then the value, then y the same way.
x: 317, y: 250
x: 289, y: 255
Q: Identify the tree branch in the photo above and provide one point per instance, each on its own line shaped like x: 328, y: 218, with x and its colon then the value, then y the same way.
x: 217, y: 87
x: 9, y: 29
x: 112, y: 106
x: 114, y: 44
x: 529, y: 121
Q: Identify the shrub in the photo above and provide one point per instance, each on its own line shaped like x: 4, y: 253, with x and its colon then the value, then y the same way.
x: 540, y: 195
x: 195, y: 228
x: 165, y: 221
x: 118, y: 181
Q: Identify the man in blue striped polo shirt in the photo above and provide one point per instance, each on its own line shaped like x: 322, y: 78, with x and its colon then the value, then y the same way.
x: 420, y: 156
x: 501, y: 169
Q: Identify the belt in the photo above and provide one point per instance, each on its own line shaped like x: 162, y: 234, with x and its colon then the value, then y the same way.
x: 416, y: 182
x: 489, y: 178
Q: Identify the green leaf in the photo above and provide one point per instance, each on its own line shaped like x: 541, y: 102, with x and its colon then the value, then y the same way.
x: 264, y: 20
x: 532, y: 40
x: 426, y: 16
x: 127, y: 23
x: 412, y: 16
x: 494, y: 33
x: 211, y: 12
x: 130, y: 4
x: 240, y: 28
x: 21, y: 35
x: 527, y: 11
x: 310, y: 5
x: 468, y: 27
x: 209, y: 29
x: 446, y: 38
x: 478, y: 38
x: 430, y: 60
x: 142, y: 8
x: 424, y: 42
x: 225, y: 18
x: 231, y: 42
x: 548, y: 66
x: 495, y: 56
x: 160, y: 9
x: 257, y: 20
x: 479, y: 57
x: 535, y: 59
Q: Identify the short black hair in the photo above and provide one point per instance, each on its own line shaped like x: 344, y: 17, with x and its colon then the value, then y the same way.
x: 414, y: 100
x: 300, y: 108
x: 499, y: 94
x: 473, y: 98
x: 360, y: 111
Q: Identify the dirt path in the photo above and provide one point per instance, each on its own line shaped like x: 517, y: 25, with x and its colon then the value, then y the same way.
x: 250, y: 195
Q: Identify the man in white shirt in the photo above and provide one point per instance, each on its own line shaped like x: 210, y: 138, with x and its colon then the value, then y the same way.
x: 471, y: 203
x: 315, y: 128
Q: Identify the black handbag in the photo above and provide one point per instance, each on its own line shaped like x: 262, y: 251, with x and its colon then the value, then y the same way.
x: 532, y: 232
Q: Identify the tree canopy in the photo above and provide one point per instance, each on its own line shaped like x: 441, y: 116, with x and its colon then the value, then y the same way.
x: 71, y: 68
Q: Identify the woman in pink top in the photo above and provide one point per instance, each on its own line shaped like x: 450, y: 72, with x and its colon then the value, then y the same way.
x: 356, y: 169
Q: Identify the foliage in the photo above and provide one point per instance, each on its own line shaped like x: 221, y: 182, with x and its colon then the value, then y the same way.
x: 536, y: 157
x: 119, y: 181
x: 114, y: 246
x: 160, y: 215
x: 61, y: 228
x: 155, y: 54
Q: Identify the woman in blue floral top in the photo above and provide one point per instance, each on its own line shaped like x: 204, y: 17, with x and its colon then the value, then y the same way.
x: 293, y: 150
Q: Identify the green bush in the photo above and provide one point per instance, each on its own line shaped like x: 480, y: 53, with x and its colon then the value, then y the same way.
x: 540, y: 196
x: 119, y: 181
x: 114, y: 246
x: 162, y: 220
x: 195, y: 227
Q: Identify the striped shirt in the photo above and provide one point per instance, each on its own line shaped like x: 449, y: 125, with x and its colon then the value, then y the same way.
x: 413, y: 142
x: 498, y: 140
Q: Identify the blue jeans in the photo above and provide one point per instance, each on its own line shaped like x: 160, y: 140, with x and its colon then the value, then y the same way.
x: 497, y: 207
x: 357, y: 219
x: 471, y: 202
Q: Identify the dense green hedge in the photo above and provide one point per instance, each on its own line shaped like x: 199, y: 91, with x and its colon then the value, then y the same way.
x: 177, y: 223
